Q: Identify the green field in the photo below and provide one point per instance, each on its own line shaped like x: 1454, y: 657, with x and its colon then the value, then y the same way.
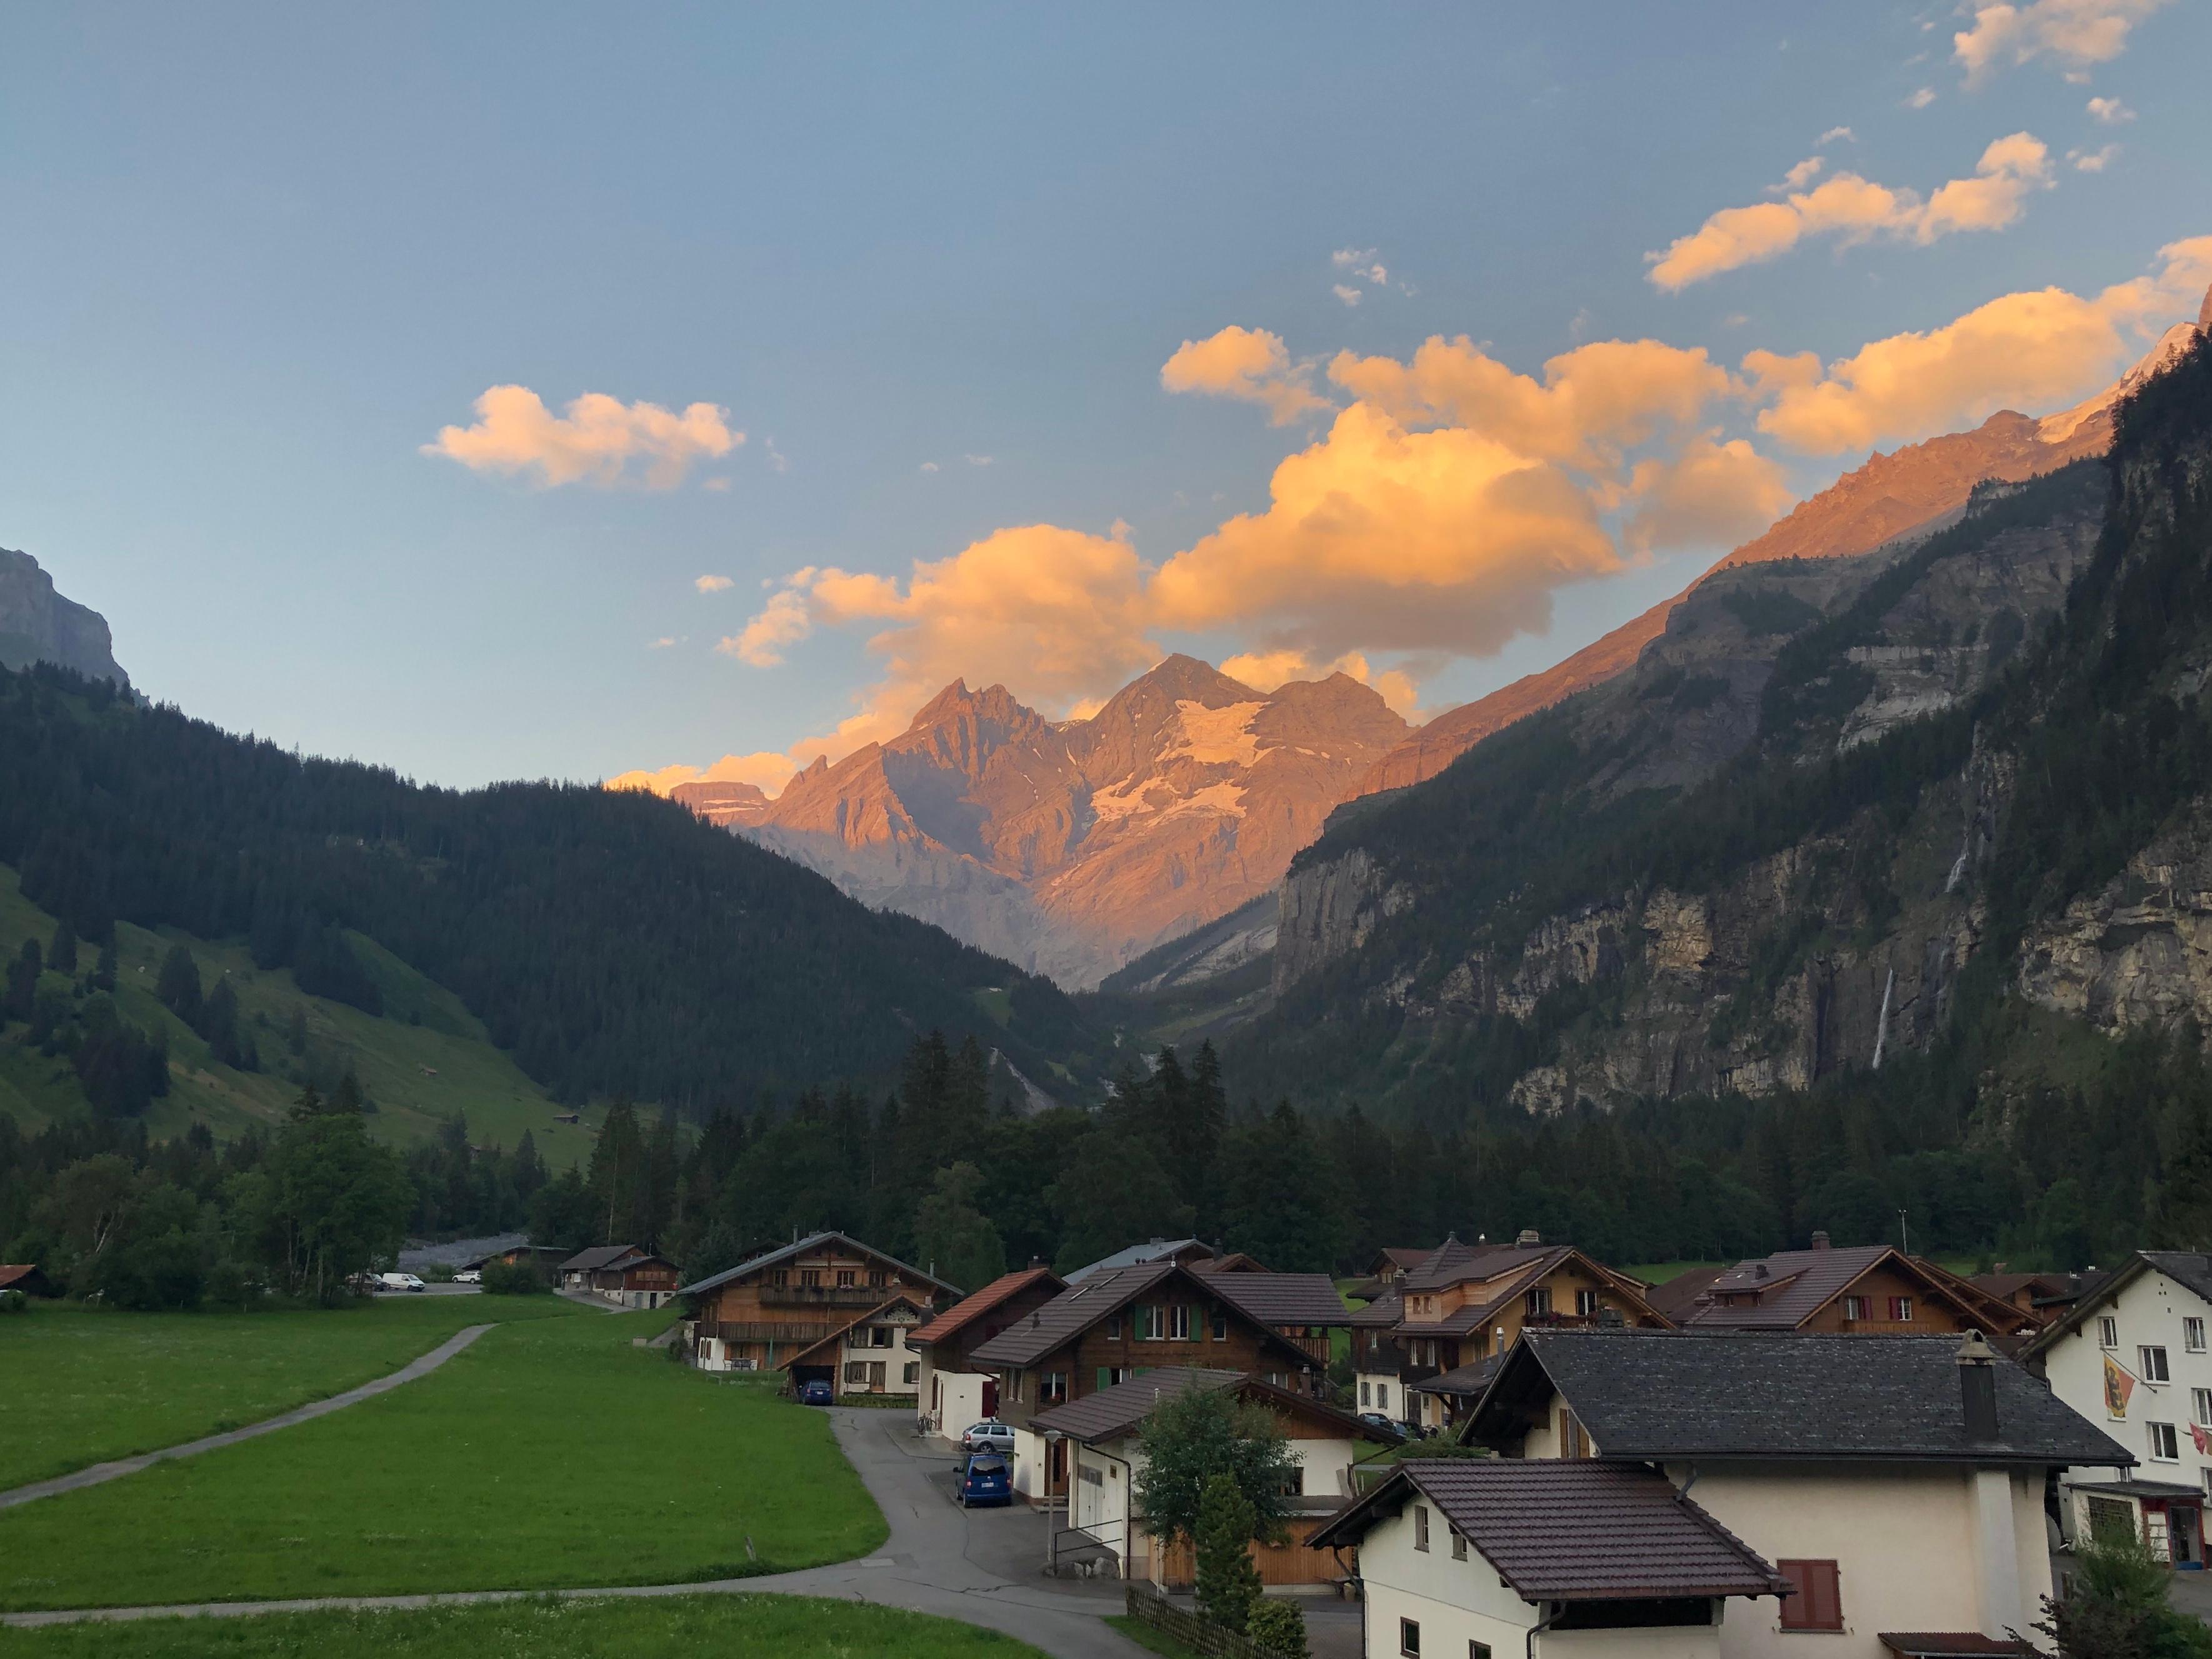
x: 552, y: 1453
x: 426, y: 1058
x: 110, y: 1385
x: 787, y: 1626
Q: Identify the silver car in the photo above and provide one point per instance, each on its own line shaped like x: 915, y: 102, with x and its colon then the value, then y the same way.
x: 989, y: 1435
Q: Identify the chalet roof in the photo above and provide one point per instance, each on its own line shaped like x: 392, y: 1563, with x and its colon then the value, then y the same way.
x: 2007, y: 1285
x: 1461, y: 1382
x: 20, y: 1274
x: 1532, y: 1520
x: 1114, y: 1411
x: 1404, y: 1259
x: 1281, y: 1299
x: 799, y: 1356
x: 1661, y: 1394
x: 968, y: 1309
x: 1089, y: 1301
x: 2186, y: 1269
x: 461, y: 1253
x: 1384, y: 1311
x: 1677, y: 1298
x: 1137, y: 1255
x: 1522, y: 1268
x: 1441, y: 1266
x: 1792, y: 1285
x: 812, y: 1240
x: 600, y: 1255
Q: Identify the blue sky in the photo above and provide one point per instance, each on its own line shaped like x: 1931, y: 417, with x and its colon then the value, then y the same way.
x: 258, y: 258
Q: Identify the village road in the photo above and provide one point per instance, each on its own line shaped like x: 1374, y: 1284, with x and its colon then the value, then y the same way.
x: 115, y: 1470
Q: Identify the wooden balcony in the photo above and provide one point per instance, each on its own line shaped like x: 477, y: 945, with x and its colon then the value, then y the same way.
x: 855, y: 1298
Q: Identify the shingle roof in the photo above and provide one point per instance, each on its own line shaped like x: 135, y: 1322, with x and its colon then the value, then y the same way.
x: 1445, y: 1265
x: 1462, y: 1381
x: 1405, y: 1260
x: 461, y: 1253
x: 1082, y: 1305
x: 770, y: 1258
x: 2185, y: 1267
x: 1793, y: 1285
x: 1384, y: 1311
x: 1668, y: 1395
x: 1137, y: 1256
x: 1677, y: 1298
x: 1116, y: 1410
x: 597, y: 1256
x: 962, y: 1313
x: 1534, y: 1520
x: 1283, y: 1298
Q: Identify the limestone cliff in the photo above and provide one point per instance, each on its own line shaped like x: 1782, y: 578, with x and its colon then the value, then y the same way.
x: 38, y: 624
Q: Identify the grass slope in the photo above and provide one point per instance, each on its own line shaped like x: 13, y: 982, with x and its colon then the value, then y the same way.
x: 552, y: 1453
x: 426, y: 1058
x: 111, y: 1385
x: 788, y: 1626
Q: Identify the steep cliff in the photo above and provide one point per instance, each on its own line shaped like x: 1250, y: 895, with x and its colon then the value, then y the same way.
x: 37, y: 624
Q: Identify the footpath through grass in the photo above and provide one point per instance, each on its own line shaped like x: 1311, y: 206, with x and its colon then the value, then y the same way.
x: 551, y: 1454
x: 84, y: 1387
x: 788, y: 1626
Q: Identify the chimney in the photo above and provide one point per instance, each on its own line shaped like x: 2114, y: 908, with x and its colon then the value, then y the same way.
x: 1819, y: 1241
x: 1978, y: 1388
x: 1529, y: 1239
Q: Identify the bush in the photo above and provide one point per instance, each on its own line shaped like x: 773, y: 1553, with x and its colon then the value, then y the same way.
x: 13, y: 1302
x: 514, y: 1278
x: 2119, y: 1608
x: 1279, y: 1626
x: 1228, y: 1583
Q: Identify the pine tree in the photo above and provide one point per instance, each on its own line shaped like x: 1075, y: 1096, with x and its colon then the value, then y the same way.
x: 103, y: 973
x: 61, y: 955
x: 1228, y: 1583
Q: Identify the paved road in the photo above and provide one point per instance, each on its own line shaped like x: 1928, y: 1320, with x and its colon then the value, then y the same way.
x: 102, y: 1472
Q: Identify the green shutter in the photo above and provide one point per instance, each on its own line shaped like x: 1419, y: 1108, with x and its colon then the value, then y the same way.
x: 1102, y: 1382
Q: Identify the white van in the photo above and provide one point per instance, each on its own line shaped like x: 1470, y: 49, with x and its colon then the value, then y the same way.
x: 398, y: 1282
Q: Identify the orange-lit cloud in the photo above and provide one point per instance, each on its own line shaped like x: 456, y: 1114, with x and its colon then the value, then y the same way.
x: 713, y: 584
x: 595, y: 441
x: 1250, y: 363
x: 1854, y: 209
x: 1269, y: 671
x: 767, y: 771
x: 2075, y: 33
x: 2024, y: 351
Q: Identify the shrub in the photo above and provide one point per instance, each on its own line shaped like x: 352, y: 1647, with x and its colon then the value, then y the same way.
x: 514, y: 1278
x: 13, y: 1302
x: 1228, y: 1583
x: 1279, y: 1626
x: 2119, y: 1608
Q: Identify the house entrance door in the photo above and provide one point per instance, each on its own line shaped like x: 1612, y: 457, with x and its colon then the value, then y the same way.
x: 2186, y: 1531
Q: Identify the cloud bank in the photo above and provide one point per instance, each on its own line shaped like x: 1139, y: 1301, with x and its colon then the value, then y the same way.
x: 594, y: 442
x: 2076, y: 33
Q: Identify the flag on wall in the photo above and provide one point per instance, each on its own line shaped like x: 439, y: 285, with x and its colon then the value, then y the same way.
x: 2202, y: 1435
x: 2118, y: 1385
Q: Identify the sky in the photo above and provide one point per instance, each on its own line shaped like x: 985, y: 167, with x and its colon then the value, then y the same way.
x: 563, y: 391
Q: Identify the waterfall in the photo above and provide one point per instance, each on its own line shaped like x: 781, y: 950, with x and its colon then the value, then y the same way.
x: 1881, y: 1026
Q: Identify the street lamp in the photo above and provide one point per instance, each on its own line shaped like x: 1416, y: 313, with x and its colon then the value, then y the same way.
x: 1052, y: 1437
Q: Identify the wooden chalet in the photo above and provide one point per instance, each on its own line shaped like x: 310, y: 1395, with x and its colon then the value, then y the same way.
x: 756, y: 1316
x: 27, y: 1277
x: 1871, y: 1290
x: 621, y: 1273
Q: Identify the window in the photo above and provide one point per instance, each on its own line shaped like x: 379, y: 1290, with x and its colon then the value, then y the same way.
x: 1382, y: 1396
x: 1221, y: 1324
x: 2108, y: 1333
x: 1053, y: 1389
x: 1586, y: 1304
x: 2200, y: 1407
x: 1109, y: 1375
x: 2165, y: 1447
x: 875, y: 1278
x: 1459, y: 1545
x: 1900, y: 1310
x: 1179, y: 1322
x: 1855, y: 1309
x: 1477, y: 1651
x: 2192, y: 1335
x: 779, y: 1277
x: 1363, y: 1391
x: 2153, y: 1364
x: 810, y: 1278
x: 1113, y: 1327
x: 914, y: 1373
x: 1816, y: 1601
x: 845, y: 1280
x: 1409, y: 1638
x: 879, y: 1336
x: 1540, y: 1302
x: 2206, y: 1474
x: 1421, y: 1525
x: 856, y: 1371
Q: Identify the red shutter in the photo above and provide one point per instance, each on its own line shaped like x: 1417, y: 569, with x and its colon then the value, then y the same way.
x: 1818, y: 1603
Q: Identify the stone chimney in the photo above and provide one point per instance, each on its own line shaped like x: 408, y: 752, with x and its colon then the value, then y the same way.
x: 1978, y: 1388
x: 1819, y: 1241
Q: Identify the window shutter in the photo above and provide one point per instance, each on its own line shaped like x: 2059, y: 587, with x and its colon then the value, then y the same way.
x: 1102, y: 1382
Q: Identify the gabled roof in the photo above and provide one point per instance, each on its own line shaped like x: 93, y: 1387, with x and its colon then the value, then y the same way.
x: 1534, y: 1521
x: 1404, y: 1259
x: 968, y: 1309
x: 600, y: 1255
x: 1117, y: 1411
x: 1084, y: 1304
x: 799, y: 1356
x: 1384, y: 1311
x: 1461, y: 1382
x: 20, y: 1273
x: 1522, y: 1268
x: 1441, y: 1266
x: 1137, y: 1255
x: 461, y: 1253
x: 1665, y: 1394
x: 1792, y: 1285
x: 1677, y: 1298
x: 2186, y: 1269
x: 813, y: 1240
x: 1281, y: 1299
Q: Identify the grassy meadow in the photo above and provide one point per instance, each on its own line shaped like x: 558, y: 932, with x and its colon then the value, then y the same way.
x: 789, y: 1627
x: 108, y: 1385
x: 426, y: 1058
x: 551, y: 1453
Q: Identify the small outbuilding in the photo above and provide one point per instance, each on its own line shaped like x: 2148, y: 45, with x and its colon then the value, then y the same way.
x: 27, y: 1277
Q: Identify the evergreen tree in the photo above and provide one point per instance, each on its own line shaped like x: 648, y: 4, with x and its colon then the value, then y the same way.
x: 22, y: 983
x: 61, y: 955
x: 103, y: 973
x: 178, y: 987
x: 952, y: 1236
x: 1228, y: 1583
x: 617, y: 1176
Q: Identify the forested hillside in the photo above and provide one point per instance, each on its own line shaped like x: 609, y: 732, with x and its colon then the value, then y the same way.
x: 1940, y: 895
x: 611, y: 942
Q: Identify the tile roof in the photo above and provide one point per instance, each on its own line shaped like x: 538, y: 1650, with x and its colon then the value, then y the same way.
x: 1115, y: 1411
x: 1137, y: 1256
x: 1401, y: 1257
x: 600, y: 1255
x: 1792, y: 1285
x: 1677, y: 1298
x: 1464, y: 1381
x: 2187, y: 1268
x: 1283, y: 1298
x: 1534, y: 1520
x: 1082, y: 1304
x: 1686, y: 1394
x: 1384, y: 1311
x: 785, y: 1253
x: 969, y: 1309
x: 1443, y: 1264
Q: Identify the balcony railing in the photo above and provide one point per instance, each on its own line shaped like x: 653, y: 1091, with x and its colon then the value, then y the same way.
x: 759, y: 1330
x: 857, y: 1297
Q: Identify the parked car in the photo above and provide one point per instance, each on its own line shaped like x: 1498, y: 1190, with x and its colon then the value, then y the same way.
x: 989, y: 1435
x: 468, y: 1276
x: 816, y: 1392
x: 1383, y: 1421
x: 398, y: 1282
x: 985, y: 1479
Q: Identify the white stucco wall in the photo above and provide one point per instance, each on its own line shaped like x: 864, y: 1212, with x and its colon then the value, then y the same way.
x: 1391, y: 1402
x: 1903, y: 1540
x: 856, y: 1350
x: 954, y: 1397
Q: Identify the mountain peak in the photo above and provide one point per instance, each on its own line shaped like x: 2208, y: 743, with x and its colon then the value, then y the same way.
x: 957, y: 703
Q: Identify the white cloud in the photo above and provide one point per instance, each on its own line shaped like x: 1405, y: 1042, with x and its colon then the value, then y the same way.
x: 713, y: 584
x: 2075, y: 33
x: 928, y: 466
x: 664, y: 642
x: 2110, y: 110
x: 783, y: 620
x: 2093, y: 160
x: 1349, y: 295
x: 1799, y: 176
x: 1250, y: 364
x: 979, y: 460
x: 1834, y: 133
x: 1921, y: 99
x: 767, y: 771
x: 594, y: 441
x: 1854, y: 209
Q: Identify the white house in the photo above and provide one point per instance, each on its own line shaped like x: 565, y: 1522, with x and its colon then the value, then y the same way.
x: 952, y: 1392
x: 2131, y: 1354
x: 1495, y: 1557
x: 1898, y: 1482
x: 1102, y: 1430
x: 869, y: 1355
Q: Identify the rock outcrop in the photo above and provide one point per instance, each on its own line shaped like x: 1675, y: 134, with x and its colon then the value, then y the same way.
x: 37, y: 624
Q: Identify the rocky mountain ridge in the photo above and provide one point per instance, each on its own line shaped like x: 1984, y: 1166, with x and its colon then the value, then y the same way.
x: 38, y: 624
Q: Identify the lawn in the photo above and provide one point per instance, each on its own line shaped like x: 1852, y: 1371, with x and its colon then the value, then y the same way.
x: 789, y: 1627
x: 85, y: 1386
x: 1147, y: 1636
x: 552, y: 1453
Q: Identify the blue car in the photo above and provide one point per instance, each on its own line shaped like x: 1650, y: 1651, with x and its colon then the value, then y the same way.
x: 817, y: 1394
x: 985, y: 1479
